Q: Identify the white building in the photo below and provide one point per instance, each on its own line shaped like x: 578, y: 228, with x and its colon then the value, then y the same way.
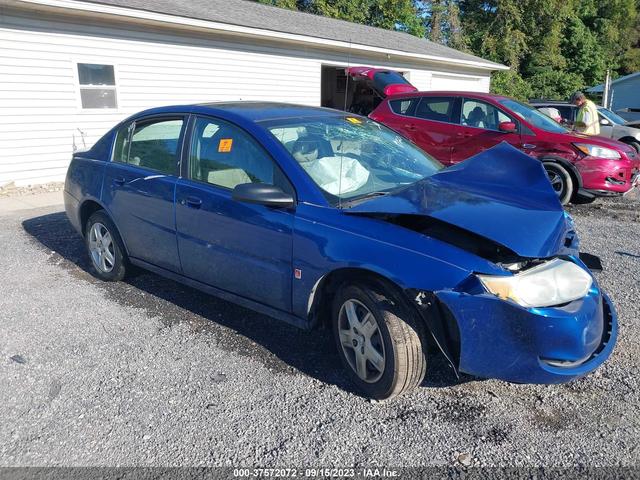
x: 70, y: 70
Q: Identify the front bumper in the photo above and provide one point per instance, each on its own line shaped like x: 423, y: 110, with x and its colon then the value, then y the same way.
x: 604, y: 177
x: 499, y: 339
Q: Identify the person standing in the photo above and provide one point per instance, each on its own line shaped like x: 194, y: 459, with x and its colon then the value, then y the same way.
x: 587, y: 120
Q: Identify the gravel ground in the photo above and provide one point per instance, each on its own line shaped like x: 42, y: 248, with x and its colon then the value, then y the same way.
x: 150, y: 372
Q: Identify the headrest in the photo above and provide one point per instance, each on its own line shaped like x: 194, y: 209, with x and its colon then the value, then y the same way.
x: 306, y: 149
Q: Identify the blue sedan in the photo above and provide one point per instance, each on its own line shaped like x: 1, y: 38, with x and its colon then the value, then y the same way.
x: 326, y: 219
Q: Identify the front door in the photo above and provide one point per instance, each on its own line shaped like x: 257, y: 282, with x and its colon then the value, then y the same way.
x: 242, y: 248
x: 139, y: 188
x: 479, y: 129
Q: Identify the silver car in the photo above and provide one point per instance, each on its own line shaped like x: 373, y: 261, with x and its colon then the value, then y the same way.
x: 612, y: 125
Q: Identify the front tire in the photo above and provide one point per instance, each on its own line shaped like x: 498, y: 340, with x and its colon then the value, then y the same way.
x: 379, y: 342
x: 561, y: 181
x: 635, y: 145
x: 105, y: 248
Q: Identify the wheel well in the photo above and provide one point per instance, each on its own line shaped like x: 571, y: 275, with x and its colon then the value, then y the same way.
x: 325, y: 290
x: 628, y: 140
x: 87, y: 209
x: 435, y: 317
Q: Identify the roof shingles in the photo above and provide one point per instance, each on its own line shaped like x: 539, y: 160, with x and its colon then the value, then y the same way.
x: 255, y: 15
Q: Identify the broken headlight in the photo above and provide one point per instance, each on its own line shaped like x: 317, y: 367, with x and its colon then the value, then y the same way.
x: 551, y: 283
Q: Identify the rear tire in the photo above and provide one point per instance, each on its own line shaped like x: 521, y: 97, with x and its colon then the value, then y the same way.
x: 561, y: 181
x: 380, y: 342
x: 106, y: 252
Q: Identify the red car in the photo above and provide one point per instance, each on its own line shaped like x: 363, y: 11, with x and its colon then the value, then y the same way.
x: 453, y: 126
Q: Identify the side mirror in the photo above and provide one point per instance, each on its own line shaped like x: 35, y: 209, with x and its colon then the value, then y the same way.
x: 262, y: 194
x: 604, y: 121
x: 507, y: 127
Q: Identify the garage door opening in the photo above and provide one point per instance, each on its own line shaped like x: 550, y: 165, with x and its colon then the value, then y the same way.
x: 342, y: 93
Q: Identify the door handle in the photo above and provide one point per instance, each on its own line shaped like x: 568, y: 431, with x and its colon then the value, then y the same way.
x: 463, y: 135
x: 412, y: 127
x: 119, y: 181
x: 193, y: 202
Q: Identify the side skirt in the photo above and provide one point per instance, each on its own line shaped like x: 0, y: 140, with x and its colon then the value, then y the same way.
x: 224, y: 295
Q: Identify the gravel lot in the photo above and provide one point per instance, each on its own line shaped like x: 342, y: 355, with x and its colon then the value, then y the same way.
x: 150, y: 372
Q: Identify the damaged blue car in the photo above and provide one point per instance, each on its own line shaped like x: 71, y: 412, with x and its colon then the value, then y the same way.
x: 326, y: 219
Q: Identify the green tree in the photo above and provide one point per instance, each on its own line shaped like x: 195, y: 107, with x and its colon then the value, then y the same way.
x: 290, y: 4
x: 511, y: 84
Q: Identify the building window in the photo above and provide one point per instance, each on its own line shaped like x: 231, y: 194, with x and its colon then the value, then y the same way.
x: 97, y: 86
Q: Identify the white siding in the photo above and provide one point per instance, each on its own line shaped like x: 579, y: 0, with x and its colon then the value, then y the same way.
x: 470, y: 83
x: 41, y: 118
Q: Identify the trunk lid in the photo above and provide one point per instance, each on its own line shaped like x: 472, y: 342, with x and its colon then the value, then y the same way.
x: 384, y: 82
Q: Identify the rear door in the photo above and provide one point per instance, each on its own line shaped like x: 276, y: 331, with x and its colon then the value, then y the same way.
x: 434, y: 125
x: 139, y: 188
x: 479, y: 129
x: 238, y: 247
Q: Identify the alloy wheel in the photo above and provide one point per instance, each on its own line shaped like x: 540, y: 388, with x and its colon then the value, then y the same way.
x: 101, y: 248
x: 557, y: 182
x: 361, y: 340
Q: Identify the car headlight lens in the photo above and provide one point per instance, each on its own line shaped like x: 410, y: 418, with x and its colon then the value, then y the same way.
x: 596, y: 151
x: 551, y: 283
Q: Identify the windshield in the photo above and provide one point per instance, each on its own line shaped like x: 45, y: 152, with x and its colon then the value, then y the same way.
x: 387, y: 77
x: 533, y: 116
x: 612, y: 117
x: 351, y: 157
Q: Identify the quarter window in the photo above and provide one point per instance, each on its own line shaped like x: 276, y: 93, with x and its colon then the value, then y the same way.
x: 97, y: 86
x: 440, y: 109
x: 404, y: 107
x: 482, y: 115
x: 226, y: 156
x: 152, y: 144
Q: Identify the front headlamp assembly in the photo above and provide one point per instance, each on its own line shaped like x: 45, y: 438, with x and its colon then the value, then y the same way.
x: 552, y: 283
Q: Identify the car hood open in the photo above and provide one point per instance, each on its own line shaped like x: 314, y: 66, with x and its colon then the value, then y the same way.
x: 500, y: 194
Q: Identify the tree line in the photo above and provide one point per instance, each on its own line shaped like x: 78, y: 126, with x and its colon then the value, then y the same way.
x: 553, y: 47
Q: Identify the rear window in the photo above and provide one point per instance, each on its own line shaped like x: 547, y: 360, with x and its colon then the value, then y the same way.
x: 440, y: 109
x: 405, y: 106
x: 388, y: 77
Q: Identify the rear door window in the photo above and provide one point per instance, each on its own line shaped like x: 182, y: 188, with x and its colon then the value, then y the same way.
x: 150, y: 144
x: 439, y: 109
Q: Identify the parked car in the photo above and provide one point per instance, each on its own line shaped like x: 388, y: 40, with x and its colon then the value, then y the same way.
x: 453, y: 126
x: 322, y: 218
x: 612, y: 125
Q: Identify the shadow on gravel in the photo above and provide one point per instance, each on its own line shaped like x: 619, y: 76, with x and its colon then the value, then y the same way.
x: 252, y: 334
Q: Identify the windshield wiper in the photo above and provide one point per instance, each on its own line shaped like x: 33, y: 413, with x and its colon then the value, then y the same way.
x: 368, y: 196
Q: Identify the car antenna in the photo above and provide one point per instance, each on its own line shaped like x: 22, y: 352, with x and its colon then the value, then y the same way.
x: 346, y: 95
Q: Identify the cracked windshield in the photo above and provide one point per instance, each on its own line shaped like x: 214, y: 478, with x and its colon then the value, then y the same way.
x: 352, y: 158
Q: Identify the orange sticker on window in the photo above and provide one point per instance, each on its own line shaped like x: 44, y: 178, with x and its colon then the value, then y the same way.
x: 225, y: 145
x: 355, y: 120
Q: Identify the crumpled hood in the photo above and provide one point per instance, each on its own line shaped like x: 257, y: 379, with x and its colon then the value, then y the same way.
x: 500, y: 194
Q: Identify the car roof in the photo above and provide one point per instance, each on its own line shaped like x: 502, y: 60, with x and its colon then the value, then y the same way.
x: 255, y: 111
x: 450, y: 93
